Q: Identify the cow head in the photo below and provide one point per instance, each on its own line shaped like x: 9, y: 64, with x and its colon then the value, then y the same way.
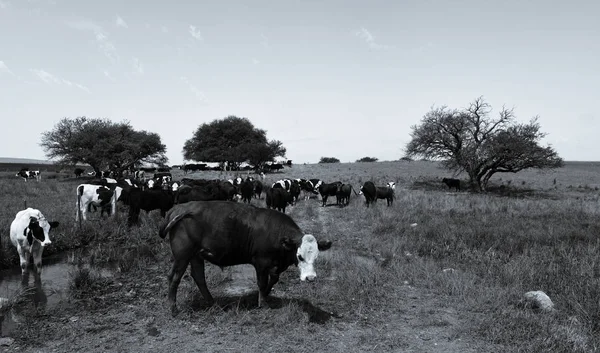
x: 306, y: 254
x: 392, y: 185
x: 38, y: 229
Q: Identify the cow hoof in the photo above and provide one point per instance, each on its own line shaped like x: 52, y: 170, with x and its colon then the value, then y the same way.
x: 174, y: 311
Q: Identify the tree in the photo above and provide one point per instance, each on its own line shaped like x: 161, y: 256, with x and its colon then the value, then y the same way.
x: 472, y: 141
x: 329, y: 160
x: 367, y: 159
x: 232, y: 139
x: 102, y: 144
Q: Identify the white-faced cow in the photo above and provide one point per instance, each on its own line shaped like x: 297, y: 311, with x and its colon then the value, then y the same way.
x: 29, y: 233
x: 228, y: 234
x: 29, y: 174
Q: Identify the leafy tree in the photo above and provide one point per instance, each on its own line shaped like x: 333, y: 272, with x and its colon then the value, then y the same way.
x: 232, y: 139
x: 472, y: 141
x: 102, y: 144
x: 367, y: 159
x: 329, y: 160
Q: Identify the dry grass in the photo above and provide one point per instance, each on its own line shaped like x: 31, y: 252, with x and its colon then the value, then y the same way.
x: 532, y: 234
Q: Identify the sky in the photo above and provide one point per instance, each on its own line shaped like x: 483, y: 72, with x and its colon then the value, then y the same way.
x: 335, y: 78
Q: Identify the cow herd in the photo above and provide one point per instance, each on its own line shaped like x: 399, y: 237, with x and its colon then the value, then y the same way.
x: 205, y: 222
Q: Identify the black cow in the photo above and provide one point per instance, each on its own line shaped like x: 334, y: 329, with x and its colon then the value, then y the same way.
x: 386, y: 192
x: 229, y: 234
x: 193, y: 167
x: 452, y: 183
x: 78, y: 172
x: 275, y: 166
x: 247, y: 190
x: 164, y: 169
x: 327, y: 190
x: 258, y: 188
x: 370, y: 191
x: 146, y: 200
x: 148, y: 169
x: 278, y: 198
x: 343, y: 194
x: 187, y: 193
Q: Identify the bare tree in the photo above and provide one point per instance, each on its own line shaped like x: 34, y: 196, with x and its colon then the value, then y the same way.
x: 471, y: 140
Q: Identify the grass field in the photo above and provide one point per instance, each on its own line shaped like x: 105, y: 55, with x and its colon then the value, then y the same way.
x: 452, y: 283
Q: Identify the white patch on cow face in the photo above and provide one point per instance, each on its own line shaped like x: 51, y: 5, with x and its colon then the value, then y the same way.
x: 150, y: 184
x: 175, y: 186
x: 392, y: 185
x: 307, y: 253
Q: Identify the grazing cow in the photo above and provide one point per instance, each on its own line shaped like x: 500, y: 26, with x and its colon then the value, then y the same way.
x: 386, y: 192
x: 452, y: 183
x: 29, y: 233
x: 79, y: 172
x: 327, y: 190
x: 343, y: 194
x: 247, y: 190
x: 29, y: 174
x: 275, y: 166
x: 229, y: 234
x: 147, y: 200
x: 370, y: 191
x: 103, y: 196
x: 258, y: 188
x: 278, y: 198
x: 188, y: 193
x: 193, y: 167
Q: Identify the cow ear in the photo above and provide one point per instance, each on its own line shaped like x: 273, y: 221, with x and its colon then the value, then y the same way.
x: 323, y: 245
x: 53, y: 224
x: 288, y: 244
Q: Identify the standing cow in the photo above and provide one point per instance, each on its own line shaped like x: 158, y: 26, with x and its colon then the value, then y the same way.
x: 228, y: 234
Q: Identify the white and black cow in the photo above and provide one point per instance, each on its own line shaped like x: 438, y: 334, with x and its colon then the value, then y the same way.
x: 309, y: 187
x: 29, y: 174
x: 228, y: 234
x: 103, y: 196
x: 29, y: 233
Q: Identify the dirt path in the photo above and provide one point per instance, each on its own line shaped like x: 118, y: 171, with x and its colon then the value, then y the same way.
x: 134, y: 318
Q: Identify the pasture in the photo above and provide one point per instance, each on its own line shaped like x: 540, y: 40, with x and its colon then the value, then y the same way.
x: 438, y: 271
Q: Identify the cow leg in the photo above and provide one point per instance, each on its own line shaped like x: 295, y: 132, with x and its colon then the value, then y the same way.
x: 324, y: 198
x: 37, y: 250
x: 23, y: 259
x: 262, y: 278
x: 174, y: 277
x: 200, y: 279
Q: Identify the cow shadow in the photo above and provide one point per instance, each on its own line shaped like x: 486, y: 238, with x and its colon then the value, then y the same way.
x: 249, y: 301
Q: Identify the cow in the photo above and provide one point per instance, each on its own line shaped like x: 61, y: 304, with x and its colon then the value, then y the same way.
x: 386, y: 192
x: 452, y: 183
x: 275, y: 166
x: 187, y: 193
x: 139, y: 175
x: 278, y: 198
x: 258, y: 188
x: 103, y: 196
x: 327, y: 190
x: 78, y: 172
x: 309, y: 187
x: 228, y: 234
x: 343, y: 194
x: 147, y: 200
x: 247, y: 190
x: 193, y: 167
x: 163, y: 169
x: 29, y: 174
x: 29, y: 233
x: 370, y: 191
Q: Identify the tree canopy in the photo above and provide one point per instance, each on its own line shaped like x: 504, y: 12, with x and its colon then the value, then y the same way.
x: 102, y: 144
x: 367, y: 159
x: 471, y: 140
x: 232, y: 139
x: 329, y: 160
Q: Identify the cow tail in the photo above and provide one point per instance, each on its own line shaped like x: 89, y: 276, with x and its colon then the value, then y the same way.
x: 167, y: 225
x: 79, y: 192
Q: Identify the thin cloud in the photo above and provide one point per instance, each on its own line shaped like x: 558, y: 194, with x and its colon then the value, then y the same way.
x: 105, y: 45
x: 52, y: 79
x: 120, y: 22
x: 5, y: 70
x: 109, y: 76
x: 4, y: 4
x: 255, y: 61
x: 199, y: 94
x: 164, y: 29
x: 366, y: 36
x: 195, y: 33
x: 264, y: 41
x: 138, y: 68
